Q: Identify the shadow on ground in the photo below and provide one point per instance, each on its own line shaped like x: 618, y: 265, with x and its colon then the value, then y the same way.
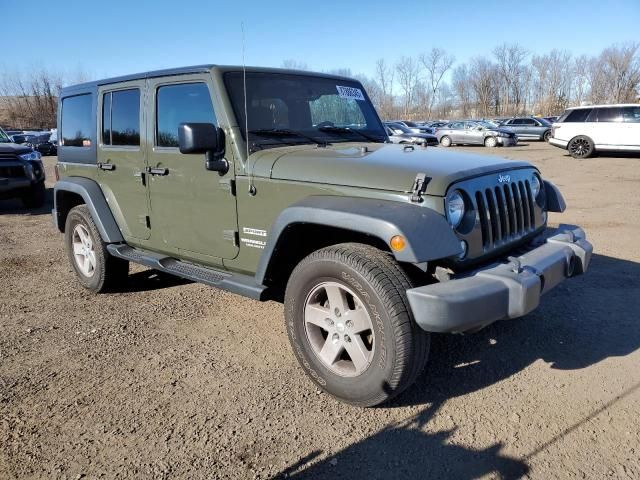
x: 14, y: 206
x: 148, y: 280
x: 580, y: 323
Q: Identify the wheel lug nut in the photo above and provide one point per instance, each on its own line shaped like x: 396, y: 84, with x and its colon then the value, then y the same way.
x: 335, y: 338
x: 337, y: 312
x: 329, y: 321
x: 349, y: 323
x: 347, y: 338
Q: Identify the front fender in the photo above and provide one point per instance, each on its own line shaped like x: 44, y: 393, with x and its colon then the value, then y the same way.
x: 93, y: 197
x: 428, y: 234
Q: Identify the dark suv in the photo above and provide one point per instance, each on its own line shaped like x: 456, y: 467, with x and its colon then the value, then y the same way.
x: 21, y: 173
x: 529, y: 128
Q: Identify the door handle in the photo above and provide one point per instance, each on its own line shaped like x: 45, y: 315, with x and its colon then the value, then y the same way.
x: 157, y: 171
x: 106, y: 166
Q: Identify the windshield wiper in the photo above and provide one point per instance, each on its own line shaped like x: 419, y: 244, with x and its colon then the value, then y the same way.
x: 283, y: 132
x: 333, y: 128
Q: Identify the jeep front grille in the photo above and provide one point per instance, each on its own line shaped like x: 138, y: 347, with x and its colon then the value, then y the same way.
x: 506, y: 213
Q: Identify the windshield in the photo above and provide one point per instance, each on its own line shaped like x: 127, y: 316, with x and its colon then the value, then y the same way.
x: 399, y: 126
x: 301, y: 109
x: 486, y: 124
x: 544, y: 122
x: 4, y: 138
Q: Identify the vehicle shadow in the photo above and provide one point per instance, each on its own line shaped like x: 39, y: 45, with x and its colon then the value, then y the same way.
x: 149, y: 280
x: 14, y: 206
x: 402, y: 450
x: 580, y: 323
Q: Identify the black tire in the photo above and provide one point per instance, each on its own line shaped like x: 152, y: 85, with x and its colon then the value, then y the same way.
x: 547, y: 136
x: 400, y: 349
x: 581, y: 147
x: 35, y: 197
x: 445, y: 141
x: 110, y: 272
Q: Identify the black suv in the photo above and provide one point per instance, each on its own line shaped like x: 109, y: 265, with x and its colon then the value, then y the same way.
x: 21, y: 173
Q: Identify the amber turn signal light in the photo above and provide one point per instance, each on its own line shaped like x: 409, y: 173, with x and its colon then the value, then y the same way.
x: 397, y: 243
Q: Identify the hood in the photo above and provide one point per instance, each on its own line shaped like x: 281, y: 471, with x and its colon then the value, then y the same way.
x: 14, y: 148
x: 389, y: 167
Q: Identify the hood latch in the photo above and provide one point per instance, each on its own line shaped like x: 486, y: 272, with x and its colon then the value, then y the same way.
x: 419, y: 187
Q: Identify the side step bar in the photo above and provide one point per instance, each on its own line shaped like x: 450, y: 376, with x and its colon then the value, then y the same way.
x: 241, y: 284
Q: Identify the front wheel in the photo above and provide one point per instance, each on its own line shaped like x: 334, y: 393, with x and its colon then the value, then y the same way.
x: 350, y: 325
x: 547, y: 135
x: 581, y: 147
x: 490, y: 142
x: 445, y: 141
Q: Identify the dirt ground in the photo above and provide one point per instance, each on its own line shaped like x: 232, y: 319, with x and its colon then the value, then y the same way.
x: 171, y: 379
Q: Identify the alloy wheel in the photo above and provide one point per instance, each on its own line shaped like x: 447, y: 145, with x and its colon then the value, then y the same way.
x: 83, y: 250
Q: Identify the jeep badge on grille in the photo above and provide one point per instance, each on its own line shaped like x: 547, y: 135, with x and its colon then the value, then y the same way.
x: 504, y: 178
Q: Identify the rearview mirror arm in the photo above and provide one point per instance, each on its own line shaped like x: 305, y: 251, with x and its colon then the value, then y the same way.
x: 216, y: 162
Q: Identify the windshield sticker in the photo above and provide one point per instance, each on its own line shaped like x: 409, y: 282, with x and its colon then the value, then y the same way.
x: 350, y: 92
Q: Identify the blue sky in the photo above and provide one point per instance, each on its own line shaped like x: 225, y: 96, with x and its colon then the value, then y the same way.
x: 114, y: 37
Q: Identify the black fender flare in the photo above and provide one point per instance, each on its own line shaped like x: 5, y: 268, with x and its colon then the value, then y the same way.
x: 97, y: 204
x: 555, y: 200
x: 429, y: 236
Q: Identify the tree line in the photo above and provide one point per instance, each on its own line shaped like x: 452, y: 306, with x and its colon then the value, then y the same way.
x: 510, y: 81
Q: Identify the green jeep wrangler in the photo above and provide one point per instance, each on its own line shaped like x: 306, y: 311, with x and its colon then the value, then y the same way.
x: 282, y: 185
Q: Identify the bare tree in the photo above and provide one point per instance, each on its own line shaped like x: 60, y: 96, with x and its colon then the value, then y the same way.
x: 408, y: 77
x: 484, y: 79
x: 292, y: 64
x: 622, y: 68
x: 437, y: 62
x: 384, y: 78
x: 463, y: 90
x: 512, y: 72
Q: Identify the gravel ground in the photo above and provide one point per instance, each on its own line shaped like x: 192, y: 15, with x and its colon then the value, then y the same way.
x: 172, y: 379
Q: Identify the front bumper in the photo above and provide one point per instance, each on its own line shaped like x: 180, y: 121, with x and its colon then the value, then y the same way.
x: 10, y: 185
x: 507, y: 142
x: 505, y: 291
x: 558, y: 143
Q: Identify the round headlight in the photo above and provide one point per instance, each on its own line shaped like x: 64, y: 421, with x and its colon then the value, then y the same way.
x: 535, y: 185
x: 455, y: 208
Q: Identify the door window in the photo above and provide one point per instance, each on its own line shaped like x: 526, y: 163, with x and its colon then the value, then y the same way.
x: 528, y: 122
x: 631, y: 114
x: 121, y: 118
x: 606, y: 114
x: 176, y: 104
x: 577, y: 115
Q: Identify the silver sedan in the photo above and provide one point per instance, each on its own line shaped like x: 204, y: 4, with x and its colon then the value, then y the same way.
x: 471, y: 132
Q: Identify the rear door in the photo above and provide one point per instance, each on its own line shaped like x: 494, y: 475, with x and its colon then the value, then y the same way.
x: 606, y: 126
x: 121, y: 160
x: 193, y: 210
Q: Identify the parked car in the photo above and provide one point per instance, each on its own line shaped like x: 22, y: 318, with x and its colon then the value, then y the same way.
x: 42, y: 143
x: 551, y: 119
x: 529, y: 128
x: 413, y: 126
x: 398, y: 133
x: 584, y: 131
x: 219, y: 175
x: 475, y: 132
x: 436, y: 124
x: 21, y: 173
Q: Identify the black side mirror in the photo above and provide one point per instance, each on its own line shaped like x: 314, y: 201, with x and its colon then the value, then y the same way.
x: 204, y: 138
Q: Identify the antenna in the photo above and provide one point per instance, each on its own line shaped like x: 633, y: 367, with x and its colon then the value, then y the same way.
x: 252, y: 187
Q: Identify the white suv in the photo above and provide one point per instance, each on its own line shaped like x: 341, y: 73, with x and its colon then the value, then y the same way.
x: 585, y: 130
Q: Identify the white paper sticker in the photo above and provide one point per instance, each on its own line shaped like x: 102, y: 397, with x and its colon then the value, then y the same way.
x: 350, y: 92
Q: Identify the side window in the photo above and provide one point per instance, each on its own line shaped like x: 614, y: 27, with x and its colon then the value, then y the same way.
x: 516, y: 121
x: 609, y: 114
x: 578, y: 115
x: 76, y: 121
x: 121, y: 118
x: 631, y: 114
x: 176, y: 104
x: 529, y: 122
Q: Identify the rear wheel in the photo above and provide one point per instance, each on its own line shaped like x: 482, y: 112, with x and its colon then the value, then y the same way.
x: 547, y: 135
x: 95, y: 268
x: 350, y: 325
x: 581, y: 147
x: 445, y: 141
x: 490, y: 142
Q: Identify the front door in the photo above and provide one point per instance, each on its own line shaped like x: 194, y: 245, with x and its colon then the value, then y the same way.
x: 121, y: 160
x: 193, y: 210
